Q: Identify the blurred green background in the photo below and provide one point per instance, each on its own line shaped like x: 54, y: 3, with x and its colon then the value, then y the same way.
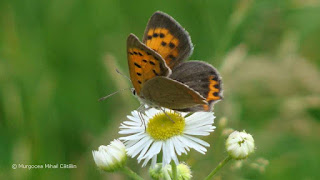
x: 57, y: 57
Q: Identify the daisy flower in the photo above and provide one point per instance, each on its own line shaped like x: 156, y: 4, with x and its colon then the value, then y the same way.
x: 159, y: 134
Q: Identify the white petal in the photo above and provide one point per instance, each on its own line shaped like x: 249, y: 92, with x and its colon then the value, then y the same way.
x: 134, y: 119
x: 178, y: 146
x: 144, y: 150
x: 135, y: 149
x: 131, y: 123
x: 200, y: 128
x: 154, y: 149
x: 145, y: 162
x: 199, y: 123
x: 133, y: 137
x: 151, y: 112
x: 130, y: 143
x: 137, y: 136
x: 193, y: 145
x: 172, y: 152
x: 131, y: 130
x: 165, y: 154
x: 154, y: 161
x: 197, y: 133
x: 179, y: 138
x: 198, y: 140
x: 199, y: 116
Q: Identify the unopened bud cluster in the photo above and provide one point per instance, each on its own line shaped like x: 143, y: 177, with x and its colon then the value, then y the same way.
x: 240, y: 145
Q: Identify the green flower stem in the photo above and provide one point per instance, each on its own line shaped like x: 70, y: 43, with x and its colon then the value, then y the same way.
x: 166, y: 175
x: 130, y: 173
x: 174, y: 171
x: 220, y: 165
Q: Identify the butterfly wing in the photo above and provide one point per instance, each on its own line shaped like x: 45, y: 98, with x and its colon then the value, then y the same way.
x: 144, y: 63
x: 169, y: 93
x: 165, y: 35
x: 202, y: 78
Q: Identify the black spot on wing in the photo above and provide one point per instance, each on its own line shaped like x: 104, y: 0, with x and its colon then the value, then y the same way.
x: 215, y: 78
x: 138, y: 66
x: 152, y: 63
x: 171, y: 45
x: 154, y: 71
x: 172, y: 57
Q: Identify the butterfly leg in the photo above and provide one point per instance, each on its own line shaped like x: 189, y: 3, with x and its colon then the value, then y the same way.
x: 189, y: 114
x: 166, y: 114
x: 142, y: 120
x: 141, y: 110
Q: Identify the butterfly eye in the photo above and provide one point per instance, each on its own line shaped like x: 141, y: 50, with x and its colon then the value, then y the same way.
x: 133, y: 91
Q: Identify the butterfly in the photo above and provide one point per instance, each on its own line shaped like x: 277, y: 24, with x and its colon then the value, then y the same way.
x: 160, y: 76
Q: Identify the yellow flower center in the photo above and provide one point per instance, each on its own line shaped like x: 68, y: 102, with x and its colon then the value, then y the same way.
x: 160, y: 127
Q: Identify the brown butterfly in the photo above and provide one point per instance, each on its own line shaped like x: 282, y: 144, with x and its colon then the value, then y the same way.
x: 159, y: 75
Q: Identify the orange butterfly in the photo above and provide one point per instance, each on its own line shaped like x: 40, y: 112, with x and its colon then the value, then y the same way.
x: 159, y: 75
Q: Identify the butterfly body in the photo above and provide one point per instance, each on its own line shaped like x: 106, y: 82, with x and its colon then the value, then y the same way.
x: 159, y: 75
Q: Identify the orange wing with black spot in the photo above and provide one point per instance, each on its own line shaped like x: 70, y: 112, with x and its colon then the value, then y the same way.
x: 166, y: 36
x: 144, y: 63
x: 202, y: 78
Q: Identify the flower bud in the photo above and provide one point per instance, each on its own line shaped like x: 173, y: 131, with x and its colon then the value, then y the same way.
x: 240, y: 145
x: 184, y: 172
x: 156, y: 171
x: 112, y: 157
x: 159, y: 172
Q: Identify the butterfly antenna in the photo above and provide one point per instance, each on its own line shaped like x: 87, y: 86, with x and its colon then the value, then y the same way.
x: 103, y: 98
x: 123, y: 75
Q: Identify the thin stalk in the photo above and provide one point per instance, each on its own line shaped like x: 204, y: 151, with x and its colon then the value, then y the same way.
x: 220, y: 165
x: 166, y: 175
x: 130, y: 173
x: 174, y: 171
